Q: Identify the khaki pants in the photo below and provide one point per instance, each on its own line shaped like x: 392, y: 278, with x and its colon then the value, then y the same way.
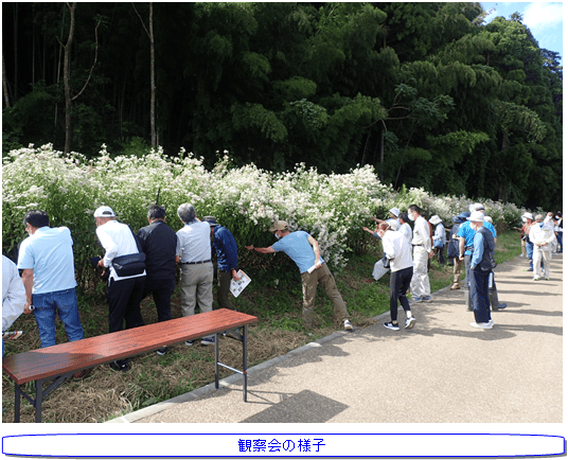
x: 542, y: 257
x: 420, y: 284
x: 196, y: 288
x: 458, y: 265
x: 310, y: 283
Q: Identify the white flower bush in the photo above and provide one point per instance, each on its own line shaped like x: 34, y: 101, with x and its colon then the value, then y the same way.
x: 333, y: 208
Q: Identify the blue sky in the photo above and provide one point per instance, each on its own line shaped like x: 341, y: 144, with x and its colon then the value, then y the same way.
x: 544, y: 19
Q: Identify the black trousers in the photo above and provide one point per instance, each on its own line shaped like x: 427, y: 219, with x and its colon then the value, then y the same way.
x: 162, y: 291
x: 124, y: 299
x: 399, y: 284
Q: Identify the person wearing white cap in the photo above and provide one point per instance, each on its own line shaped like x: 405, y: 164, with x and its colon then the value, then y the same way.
x: 393, y: 219
x: 529, y: 221
x: 522, y: 237
x: 398, y: 252
x: 304, y: 250
x: 124, y: 292
x: 439, y: 237
x: 542, y: 237
x: 482, y: 264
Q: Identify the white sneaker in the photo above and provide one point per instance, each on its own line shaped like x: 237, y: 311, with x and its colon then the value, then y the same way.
x: 347, y: 325
x: 536, y: 278
x: 410, y: 322
x: 488, y: 325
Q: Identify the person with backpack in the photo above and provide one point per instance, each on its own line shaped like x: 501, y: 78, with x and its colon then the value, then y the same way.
x: 482, y: 264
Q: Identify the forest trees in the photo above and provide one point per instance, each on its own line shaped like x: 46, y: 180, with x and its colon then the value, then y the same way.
x: 427, y: 93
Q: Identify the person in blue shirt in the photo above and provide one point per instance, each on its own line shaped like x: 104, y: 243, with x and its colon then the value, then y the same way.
x: 46, y: 258
x: 225, y: 247
x: 303, y: 249
x: 466, y: 234
x: 482, y: 263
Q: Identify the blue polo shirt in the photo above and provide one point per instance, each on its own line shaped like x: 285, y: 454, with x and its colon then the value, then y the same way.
x: 49, y: 253
x: 298, y: 248
x: 468, y: 234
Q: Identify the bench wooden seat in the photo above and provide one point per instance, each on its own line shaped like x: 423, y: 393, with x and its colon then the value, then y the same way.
x: 65, y: 359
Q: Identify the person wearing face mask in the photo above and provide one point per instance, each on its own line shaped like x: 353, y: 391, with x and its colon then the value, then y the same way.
x: 482, y: 263
x: 542, y: 236
x: 398, y: 252
x: 303, y: 249
x: 421, y: 252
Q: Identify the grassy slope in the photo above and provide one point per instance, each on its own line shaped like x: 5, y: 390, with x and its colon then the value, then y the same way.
x: 275, y: 298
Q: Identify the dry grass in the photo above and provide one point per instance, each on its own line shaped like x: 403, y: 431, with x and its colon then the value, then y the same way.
x: 106, y: 394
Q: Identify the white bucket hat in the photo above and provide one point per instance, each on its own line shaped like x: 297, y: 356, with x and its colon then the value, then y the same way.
x: 476, y: 216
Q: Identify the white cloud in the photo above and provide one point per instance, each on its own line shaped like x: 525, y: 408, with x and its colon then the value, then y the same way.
x: 542, y: 15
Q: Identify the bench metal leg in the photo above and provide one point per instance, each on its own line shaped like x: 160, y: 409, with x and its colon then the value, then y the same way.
x: 245, y: 374
x: 38, y: 400
x: 243, y: 339
x: 40, y: 394
x: 18, y: 393
x: 217, y: 361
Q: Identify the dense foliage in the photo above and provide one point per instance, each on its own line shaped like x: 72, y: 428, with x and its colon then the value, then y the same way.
x: 245, y: 199
x: 427, y: 93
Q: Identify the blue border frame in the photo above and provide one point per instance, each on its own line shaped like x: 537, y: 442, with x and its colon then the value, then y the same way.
x: 308, y: 434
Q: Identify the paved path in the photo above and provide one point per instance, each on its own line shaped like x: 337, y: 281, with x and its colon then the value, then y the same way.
x: 443, y: 370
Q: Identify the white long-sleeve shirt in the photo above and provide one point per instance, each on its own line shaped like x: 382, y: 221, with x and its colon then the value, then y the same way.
x: 440, y: 233
x: 406, y: 230
x: 421, y: 234
x: 118, y: 240
x: 398, y: 249
x: 13, y: 293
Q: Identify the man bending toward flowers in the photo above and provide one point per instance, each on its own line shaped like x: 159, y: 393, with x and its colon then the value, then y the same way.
x: 303, y: 249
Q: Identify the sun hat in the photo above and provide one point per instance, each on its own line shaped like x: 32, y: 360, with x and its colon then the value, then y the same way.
x: 464, y: 215
x: 539, y: 218
x: 476, y: 216
x: 488, y: 219
x: 435, y: 219
x: 395, y: 211
x: 528, y: 215
x: 104, y: 211
x: 211, y: 220
x: 478, y: 207
x: 278, y: 225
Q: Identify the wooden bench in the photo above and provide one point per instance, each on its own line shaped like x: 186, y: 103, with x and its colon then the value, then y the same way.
x: 61, y: 361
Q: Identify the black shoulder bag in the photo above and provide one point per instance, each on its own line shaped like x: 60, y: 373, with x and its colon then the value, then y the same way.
x: 130, y: 264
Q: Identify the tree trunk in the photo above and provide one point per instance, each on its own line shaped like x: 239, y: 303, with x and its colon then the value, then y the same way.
x: 66, y: 77
x: 5, y: 84
x: 152, y: 81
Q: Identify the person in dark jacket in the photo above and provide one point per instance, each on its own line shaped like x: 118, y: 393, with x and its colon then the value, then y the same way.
x: 158, y: 241
x: 482, y: 263
x: 227, y: 260
x: 454, y: 249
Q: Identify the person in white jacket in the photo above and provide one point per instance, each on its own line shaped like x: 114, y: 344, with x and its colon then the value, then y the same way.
x: 542, y: 236
x: 398, y: 252
x: 13, y: 295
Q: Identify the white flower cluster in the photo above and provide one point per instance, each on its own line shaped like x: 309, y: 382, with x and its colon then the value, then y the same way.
x: 333, y: 208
